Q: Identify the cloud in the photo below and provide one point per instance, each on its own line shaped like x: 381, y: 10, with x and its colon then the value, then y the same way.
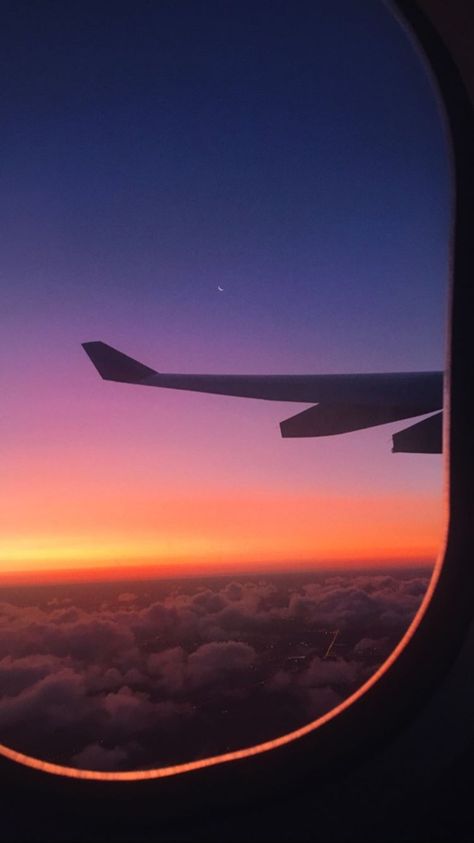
x: 18, y: 674
x: 229, y: 660
x: 52, y: 700
x: 337, y: 673
x: 97, y: 757
x: 134, y: 681
x: 372, y: 647
x: 127, y: 597
x: 167, y: 670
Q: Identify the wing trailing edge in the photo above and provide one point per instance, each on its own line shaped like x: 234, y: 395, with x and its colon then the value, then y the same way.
x: 332, y: 419
x: 342, y: 402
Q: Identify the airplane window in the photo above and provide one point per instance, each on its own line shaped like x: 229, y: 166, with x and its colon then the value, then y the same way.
x: 246, y: 207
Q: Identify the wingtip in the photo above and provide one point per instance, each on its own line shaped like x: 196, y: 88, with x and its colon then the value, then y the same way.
x: 113, y: 365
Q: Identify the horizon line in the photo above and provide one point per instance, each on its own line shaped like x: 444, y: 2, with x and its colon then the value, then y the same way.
x: 53, y: 576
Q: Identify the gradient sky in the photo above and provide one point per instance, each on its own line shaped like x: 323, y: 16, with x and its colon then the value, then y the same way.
x: 292, y: 152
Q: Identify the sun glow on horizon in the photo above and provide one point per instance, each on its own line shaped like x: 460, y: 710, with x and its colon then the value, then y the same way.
x: 228, y: 532
x: 130, y: 242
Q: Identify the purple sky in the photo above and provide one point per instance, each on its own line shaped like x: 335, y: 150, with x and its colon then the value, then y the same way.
x: 292, y: 153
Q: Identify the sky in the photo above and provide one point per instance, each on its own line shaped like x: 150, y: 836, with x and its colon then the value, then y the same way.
x: 292, y: 154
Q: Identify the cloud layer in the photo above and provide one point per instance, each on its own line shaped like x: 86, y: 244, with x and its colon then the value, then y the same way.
x: 135, y: 681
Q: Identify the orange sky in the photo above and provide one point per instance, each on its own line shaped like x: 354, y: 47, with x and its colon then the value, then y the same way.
x: 214, y: 532
x: 128, y: 242
x: 122, y: 480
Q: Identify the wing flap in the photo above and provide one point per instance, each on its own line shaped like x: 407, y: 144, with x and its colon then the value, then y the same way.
x: 425, y: 437
x: 332, y: 419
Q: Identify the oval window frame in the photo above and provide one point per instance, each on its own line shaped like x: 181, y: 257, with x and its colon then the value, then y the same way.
x: 369, y: 719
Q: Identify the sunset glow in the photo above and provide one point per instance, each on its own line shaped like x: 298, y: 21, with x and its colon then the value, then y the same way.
x: 203, y: 210
x: 214, y: 533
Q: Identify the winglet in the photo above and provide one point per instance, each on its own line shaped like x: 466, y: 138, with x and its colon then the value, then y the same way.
x: 112, y: 365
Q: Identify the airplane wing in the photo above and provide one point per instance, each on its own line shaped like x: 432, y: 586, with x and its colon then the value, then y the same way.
x: 344, y: 402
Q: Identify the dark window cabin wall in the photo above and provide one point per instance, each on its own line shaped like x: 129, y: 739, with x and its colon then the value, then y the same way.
x: 387, y: 768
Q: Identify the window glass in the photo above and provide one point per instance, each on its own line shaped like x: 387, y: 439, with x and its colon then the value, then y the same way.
x: 214, y: 188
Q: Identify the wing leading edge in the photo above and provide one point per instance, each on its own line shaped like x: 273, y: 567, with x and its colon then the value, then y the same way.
x: 344, y: 402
